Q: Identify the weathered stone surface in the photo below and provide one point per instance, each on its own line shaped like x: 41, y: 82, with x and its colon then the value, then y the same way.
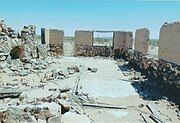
x: 54, y: 119
x: 169, y: 43
x: 142, y: 40
x: 90, y: 51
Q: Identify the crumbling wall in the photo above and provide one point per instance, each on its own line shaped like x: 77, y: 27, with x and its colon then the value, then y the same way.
x: 169, y: 43
x: 9, y: 39
x: 166, y: 75
x: 122, y: 40
x: 83, y: 43
x: 56, y: 38
x: 28, y: 34
x: 142, y: 40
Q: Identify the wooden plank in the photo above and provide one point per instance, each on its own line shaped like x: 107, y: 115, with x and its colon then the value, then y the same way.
x: 104, y: 106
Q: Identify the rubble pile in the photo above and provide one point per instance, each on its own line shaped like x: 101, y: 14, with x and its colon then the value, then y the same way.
x: 166, y: 74
x: 103, y: 51
x: 37, y: 100
x: 21, y: 44
x: 84, y: 50
x: 28, y: 34
x: 9, y: 38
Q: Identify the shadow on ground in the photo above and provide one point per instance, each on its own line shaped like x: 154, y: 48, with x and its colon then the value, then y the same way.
x: 151, y: 90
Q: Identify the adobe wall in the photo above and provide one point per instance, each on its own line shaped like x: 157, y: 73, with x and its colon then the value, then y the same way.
x: 47, y: 33
x: 56, y: 37
x: 142, y: 40
x: 169, y: 43
x: 83, y: 37
x: 122, y: 40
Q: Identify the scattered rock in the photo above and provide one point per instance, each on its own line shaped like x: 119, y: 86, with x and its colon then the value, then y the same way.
x: 14, y: 115
x: 54, y: 119
x: 94, y: 70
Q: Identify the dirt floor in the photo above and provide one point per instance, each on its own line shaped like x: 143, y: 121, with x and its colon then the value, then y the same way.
x: 100, y: 90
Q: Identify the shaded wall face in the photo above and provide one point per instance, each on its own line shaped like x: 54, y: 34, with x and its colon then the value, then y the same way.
x: 43, y: 36
x: 56, y: 37
x: 169, y: 43
x: 0, y: 27
x: 142, y: 40
x: 84, y: 38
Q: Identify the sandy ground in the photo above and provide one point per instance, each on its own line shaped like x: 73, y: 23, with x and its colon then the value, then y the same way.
x: 109, y: 85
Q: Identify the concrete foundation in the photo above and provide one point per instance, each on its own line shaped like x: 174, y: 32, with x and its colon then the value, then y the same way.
x: 169, y: 43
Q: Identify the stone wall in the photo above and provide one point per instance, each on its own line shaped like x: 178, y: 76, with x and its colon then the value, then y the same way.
x: 169, y: 43
x: 83, y: 43
x: 122, y: 40
x: 142, y: 40
x: 129, y: 40
x: 165, y: 74
x: 54, y: 39
x: 28, y: 34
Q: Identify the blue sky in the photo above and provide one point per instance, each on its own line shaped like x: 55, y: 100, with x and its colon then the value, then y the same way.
x: 71, y: 15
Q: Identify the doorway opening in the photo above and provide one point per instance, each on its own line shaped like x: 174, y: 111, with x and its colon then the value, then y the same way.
x: 103, y: 38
